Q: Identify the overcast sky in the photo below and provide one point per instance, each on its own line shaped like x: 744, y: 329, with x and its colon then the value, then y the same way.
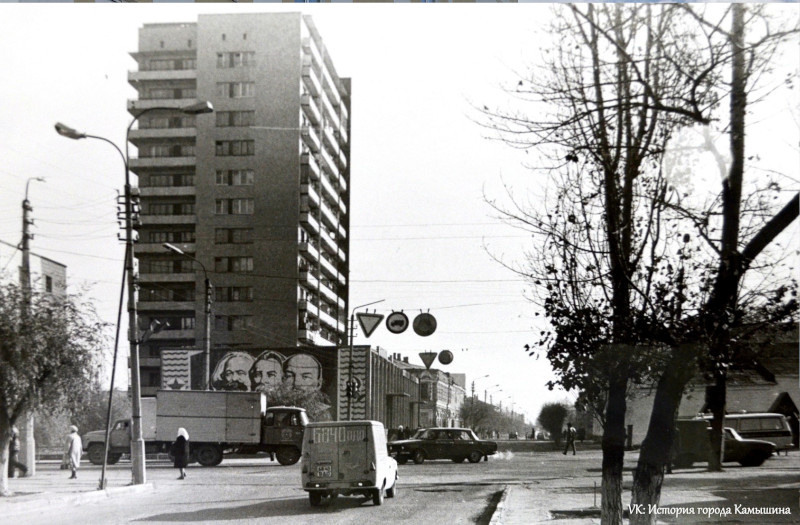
x: 419, y: 165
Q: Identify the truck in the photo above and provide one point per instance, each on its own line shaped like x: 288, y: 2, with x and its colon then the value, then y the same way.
x: 217, y: 422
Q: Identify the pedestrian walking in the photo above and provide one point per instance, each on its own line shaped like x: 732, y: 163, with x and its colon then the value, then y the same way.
x: 180, y: 452
x: 13, y: 455
x: 74, y: 451
x: 570, y: 434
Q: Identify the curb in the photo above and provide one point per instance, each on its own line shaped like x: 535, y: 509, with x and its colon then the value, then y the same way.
x: 499, y: 512
x: 80, y: 497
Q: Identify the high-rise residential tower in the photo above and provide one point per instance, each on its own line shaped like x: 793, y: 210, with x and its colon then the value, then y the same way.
x: 257, y: 191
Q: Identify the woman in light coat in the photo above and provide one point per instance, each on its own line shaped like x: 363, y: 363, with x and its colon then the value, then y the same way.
x: 180, y: 452
x: 74, y: 451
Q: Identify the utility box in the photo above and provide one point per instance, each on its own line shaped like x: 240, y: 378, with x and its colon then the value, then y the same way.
x: 149, y: 409
x: 210, y: 416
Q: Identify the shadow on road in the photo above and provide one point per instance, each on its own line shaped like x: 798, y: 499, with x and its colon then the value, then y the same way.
x: 267, y: 508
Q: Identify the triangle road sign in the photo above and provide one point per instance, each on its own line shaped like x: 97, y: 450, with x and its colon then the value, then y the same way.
x: 369, y: 322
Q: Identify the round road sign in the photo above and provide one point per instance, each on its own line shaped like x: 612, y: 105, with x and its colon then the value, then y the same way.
x: 445, y: 357
x: 424, y: 324
x: 397, y: 322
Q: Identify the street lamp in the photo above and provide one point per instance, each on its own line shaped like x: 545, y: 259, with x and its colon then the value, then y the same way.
x: 207, y: 341
x: 137, y: 442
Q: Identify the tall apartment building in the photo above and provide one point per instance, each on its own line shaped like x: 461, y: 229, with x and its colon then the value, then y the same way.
x: 257, y: 191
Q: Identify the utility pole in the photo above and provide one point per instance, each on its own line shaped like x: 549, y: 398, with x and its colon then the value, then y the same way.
x: 27, y: 441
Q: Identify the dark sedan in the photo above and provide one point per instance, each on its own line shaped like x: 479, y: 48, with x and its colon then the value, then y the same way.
x: 456, y: 444
x: 747, y: 452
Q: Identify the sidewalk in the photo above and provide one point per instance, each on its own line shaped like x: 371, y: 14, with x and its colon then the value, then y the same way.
x: 688, y: 496
x: 51, y: 485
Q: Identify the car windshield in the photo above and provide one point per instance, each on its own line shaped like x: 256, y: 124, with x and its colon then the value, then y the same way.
x: 419, y: 434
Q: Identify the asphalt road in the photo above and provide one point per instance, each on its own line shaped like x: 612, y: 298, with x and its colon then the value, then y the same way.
x: 436, y: 492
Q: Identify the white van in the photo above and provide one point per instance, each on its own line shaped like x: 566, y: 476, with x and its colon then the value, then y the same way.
x: 347, y: 457
x: 765, y: 426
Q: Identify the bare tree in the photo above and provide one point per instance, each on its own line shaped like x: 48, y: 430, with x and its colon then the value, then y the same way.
x: 630, y: 292
x: 50, y: 355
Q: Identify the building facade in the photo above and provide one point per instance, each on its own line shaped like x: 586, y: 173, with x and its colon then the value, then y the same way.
x: 257, y: 192
x: 47, y: 275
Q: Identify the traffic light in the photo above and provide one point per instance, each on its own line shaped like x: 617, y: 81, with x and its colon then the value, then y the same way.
x: 356, y: 387
x: 349, y: 388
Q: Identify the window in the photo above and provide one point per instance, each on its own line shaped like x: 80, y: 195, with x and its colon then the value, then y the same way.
x: 235, y: 59
x: 234, y: 293
x: 170, y: 236
x: 167, y: 180
x: 48, y: 284
x: 235, y: 148
x: 234, y: 206
x: 747, y: 424
x: 236, y: 89
x: 235, y: 177
x: 233, y: 236
x: 235, y: 118
x: 168, y: 208
x: 166, y: 150
x: 156, y: 292
x: 233, y: 264
x: 232, y: 322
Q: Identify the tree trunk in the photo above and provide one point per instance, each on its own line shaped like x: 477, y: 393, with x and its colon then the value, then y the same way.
x: 657, y: 445
x: 613, y: 453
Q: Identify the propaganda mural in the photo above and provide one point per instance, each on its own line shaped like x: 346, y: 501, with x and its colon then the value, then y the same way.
x: 305, y: 370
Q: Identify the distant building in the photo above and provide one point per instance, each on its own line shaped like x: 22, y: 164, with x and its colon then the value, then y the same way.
x: 258, y: 191
x: 47, y: 275
x: 442, y: 395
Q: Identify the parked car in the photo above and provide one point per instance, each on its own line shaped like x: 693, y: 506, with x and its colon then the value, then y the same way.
x: 456, y: 444
x: 693, y: 446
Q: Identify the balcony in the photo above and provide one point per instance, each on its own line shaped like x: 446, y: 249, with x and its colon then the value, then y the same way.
x: 166, y: 74
x: 330, y: 139
x: 310, y: 249
x: 332, y: 114
x: 342, y: 159
x: 157, y: 247
x: 161, y: 133
x: 308, y: 306
x: 161, y: 305
x: 311, y: 337
x: 328, y: 268
x: 310, y: 48
x: 135, y: 106
x: 311, y: 80
x: 311, y: 194
x: 161, y: 162
x: 311, y: 109
x: 330, y: 87
x: 327, y: 162
x: 147, y: 220
x: 342, y: 183
x: 308, y: 279
x: 311, y: 164
x: 167, y: 277
x: 174, y: 334
x: 328, y: 217
x: 331, y: 295
x: 307, y: 219
x: 328, y: 320
x: 167, y: 191
x: 310, y: 138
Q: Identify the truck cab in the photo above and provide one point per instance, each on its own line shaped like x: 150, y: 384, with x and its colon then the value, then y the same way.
x: 347, y: 457
x: 282, y: 433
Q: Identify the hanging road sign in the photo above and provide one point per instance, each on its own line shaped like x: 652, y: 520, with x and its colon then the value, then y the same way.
x: 424, y: 324
x: 427, y: 358
x: 369, y: 322
x: 397, y: 322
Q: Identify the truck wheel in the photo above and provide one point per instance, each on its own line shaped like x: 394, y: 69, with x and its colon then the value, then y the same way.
x: 474, y: 456
x: 402, y: 461
x: 419, y: 457
x: 377, y: 496
x: 315, y: 498
x: 752, y: 460
x: 209, y: 455
x: 113, y: 459
x: 288, y: 455
x: 684, y: 461
x: 96, y: 453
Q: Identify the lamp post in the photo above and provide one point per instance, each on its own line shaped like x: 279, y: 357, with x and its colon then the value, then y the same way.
x: 350, y: 361
x: 28, y: 443
x: 207, y: 341
x: 137, y: 442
